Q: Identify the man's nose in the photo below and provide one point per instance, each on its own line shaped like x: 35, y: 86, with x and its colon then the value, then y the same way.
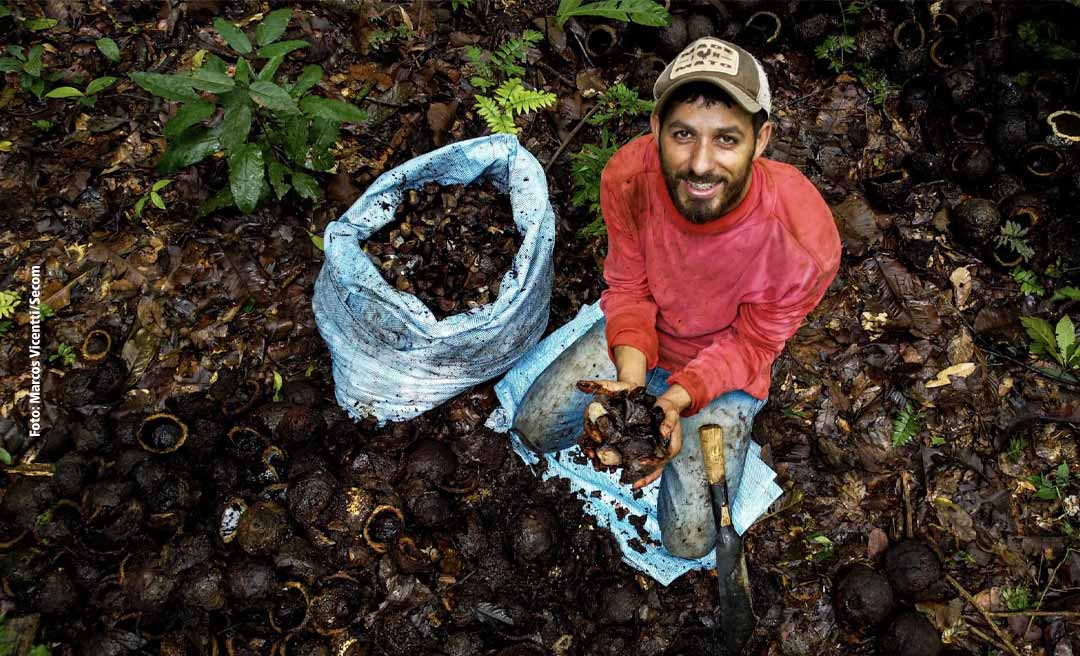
x: 701, y: 159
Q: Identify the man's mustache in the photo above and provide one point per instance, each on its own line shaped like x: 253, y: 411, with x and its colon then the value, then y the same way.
x: 706, y: 179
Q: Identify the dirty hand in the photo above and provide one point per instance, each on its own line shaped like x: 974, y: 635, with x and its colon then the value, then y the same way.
x: 672, y: 402
x: 606, y: 387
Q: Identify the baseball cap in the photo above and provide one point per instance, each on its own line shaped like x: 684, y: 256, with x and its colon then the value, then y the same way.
x: 721, y: 63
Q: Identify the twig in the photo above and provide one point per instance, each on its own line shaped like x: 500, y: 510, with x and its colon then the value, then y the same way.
x: 989, y: 620
x: 547, y: 67
x: 29, y: 469
x: 982, y: 636
x: 1050, y: 582
x: 1035, y: 613
x: 909, y: 531
x: 570, y: 137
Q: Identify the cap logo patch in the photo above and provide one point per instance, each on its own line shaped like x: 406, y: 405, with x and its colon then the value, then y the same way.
x: 707, y: 56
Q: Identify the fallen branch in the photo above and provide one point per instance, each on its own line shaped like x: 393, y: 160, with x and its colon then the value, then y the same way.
x: 1035, y: 613
x: 989, y: 620
x: 570, y: 137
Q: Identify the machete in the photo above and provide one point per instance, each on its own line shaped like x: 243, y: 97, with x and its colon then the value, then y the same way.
x: 736, y: 617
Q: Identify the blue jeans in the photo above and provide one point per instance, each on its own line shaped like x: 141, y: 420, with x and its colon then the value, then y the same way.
x: 550, y: 418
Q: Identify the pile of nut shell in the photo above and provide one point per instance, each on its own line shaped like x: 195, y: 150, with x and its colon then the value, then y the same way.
x: 448, y: 245
x: 622, y: 432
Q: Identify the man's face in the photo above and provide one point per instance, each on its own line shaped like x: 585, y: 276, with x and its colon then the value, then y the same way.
x: 706, y: 153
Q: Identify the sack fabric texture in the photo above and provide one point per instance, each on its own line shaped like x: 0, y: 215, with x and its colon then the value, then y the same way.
x: 603, y: 495
x: 392, y: 360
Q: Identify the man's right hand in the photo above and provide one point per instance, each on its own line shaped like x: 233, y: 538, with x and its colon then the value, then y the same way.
x: 604, y: 386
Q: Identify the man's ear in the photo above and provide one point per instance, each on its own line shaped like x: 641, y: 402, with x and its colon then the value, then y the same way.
x: 654, y: 122
x: 763, y: 136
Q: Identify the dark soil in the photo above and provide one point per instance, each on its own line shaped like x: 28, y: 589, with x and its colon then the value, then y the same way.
x: 448, y: 245
x: 622, y: 432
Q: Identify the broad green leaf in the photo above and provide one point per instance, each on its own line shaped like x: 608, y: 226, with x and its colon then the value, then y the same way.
x: 212, y: 81
x: 306, y: 186
x: 170, y: 87
x: 1066, y: 337
x: 309, y: 77
x: 235, y: 127
x: 5, y: 457
x: 273, y: 97
x: 16, y: 51
x: 281, y: 49
x: 38, y: 24
x: 188, y: 115
x: 1062, y: 473
x: 243, y: 71
x: 295, y: 135
x: 99, y: 84
x: 331, y: 109
x: 1047, y: 493
x: 64, y: 92
x: 10, y: 65
x: 317, y: 240
x: 238, y: 96
x: 277, y: 172
x: 217, y: 64
x: 139, y: 205
x: 4, y: 11
x: 109, y: 48
x: 277, y: 386
x: 222, y: 198
x: 1066, y: 294
x: 273, y: 26
x: 160, y: 184
x: 33, y: 64
x: 233, y: 36
x: 271, y: 67
x: 191, y: 147
x: 1040, y: 332
x: 156, y: 199
x: 246, y: 173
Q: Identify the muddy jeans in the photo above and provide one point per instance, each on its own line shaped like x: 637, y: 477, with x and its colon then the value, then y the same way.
x: 550, y: 419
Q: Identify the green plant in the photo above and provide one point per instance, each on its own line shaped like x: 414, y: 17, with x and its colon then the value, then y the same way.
x: 65, y: 354
x: 833, y: 48
x: 269, y: 132
x: 86, y: 97
x: 820, y: 548
x: 109, y: 48
x: 5, y: 457
x: 1059, y: 342
x: 379, y: 38
x: 1016, y: 448
x: 1050, y: 487
x: 277, y: 387
x: 1015, y: 238
x: 643, y: 12
x: 937, y: 440
x: 28, y: 64
x: 5, y: 326
x: 585, y: 168
x: 620, y: 101
x: 9, y: 300
x: 42, y: 124
x: 153, y: 196
x: 1016, y: 598
x: 1066, y: 294
x: 875, y: 81
x: 506, y: 59
x: 458, y: 4
x: 1048, y: 39
x: 1029, y: 284
x: 45, y: 311
x: 905, y: 426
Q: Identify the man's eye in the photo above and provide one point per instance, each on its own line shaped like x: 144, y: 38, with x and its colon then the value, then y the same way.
x: 682, y: 134
x: 727, y: 140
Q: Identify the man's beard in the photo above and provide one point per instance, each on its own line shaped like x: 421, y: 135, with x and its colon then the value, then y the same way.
x: 701, y: 211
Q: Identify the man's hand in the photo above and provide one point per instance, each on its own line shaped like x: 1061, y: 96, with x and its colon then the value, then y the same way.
x: 672, y: 402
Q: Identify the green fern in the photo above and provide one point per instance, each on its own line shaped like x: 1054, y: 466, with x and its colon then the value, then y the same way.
x: 482, y: 76
x: 1029, y: 284
x: 643, y: 12
x: 509, y: 99
x: 833, y: 48
x: 1015, y: 238
x: 618, y: 102
x: 514, y: 52
x: 9, y: 300
x: 586, y: 166
x: 905, y: 426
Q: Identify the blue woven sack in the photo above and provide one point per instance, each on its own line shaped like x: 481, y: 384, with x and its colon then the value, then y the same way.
x: 392, y: 359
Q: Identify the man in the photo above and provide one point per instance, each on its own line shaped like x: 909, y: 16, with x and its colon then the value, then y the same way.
x: 715, y: 257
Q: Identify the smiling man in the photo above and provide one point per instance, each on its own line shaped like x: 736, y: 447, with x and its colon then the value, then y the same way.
x: 715, y: 256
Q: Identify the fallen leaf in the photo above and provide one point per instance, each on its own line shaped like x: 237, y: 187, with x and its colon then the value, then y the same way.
x: 962, y: 370
x: 961, y: 281
x: 439, y: 117
x: 877, y: 543
x: 955, y: 519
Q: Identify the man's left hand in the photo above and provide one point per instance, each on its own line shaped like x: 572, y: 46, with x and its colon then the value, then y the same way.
x: 672, y: 402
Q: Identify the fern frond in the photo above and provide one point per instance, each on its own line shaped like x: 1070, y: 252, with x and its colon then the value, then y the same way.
x: 497, y: 119
x: 523, y: 101
x: 905, y: 426
x: 643, y: 12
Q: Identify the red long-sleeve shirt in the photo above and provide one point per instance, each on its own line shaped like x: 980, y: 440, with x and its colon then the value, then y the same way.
x: 713, y: 303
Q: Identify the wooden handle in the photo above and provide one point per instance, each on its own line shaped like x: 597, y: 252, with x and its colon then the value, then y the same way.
x: 712, y: 449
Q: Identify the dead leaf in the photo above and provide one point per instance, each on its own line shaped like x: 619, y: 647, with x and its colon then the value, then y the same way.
x: 961, y: 348
x: 954, y: 518
x: 139, y: 352
x: 439, y: 117
x: 877, y: 544
x: 961, y: 281
x: 962, y: 370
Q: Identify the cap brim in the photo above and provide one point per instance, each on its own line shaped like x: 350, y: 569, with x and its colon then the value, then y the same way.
x: 737, y: 94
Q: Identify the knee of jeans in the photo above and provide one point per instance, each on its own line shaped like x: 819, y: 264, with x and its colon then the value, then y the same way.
x: 689, y: 549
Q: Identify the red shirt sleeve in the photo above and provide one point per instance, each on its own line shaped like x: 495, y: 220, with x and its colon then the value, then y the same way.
x: 627, y: 303
x: 748, y: 347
